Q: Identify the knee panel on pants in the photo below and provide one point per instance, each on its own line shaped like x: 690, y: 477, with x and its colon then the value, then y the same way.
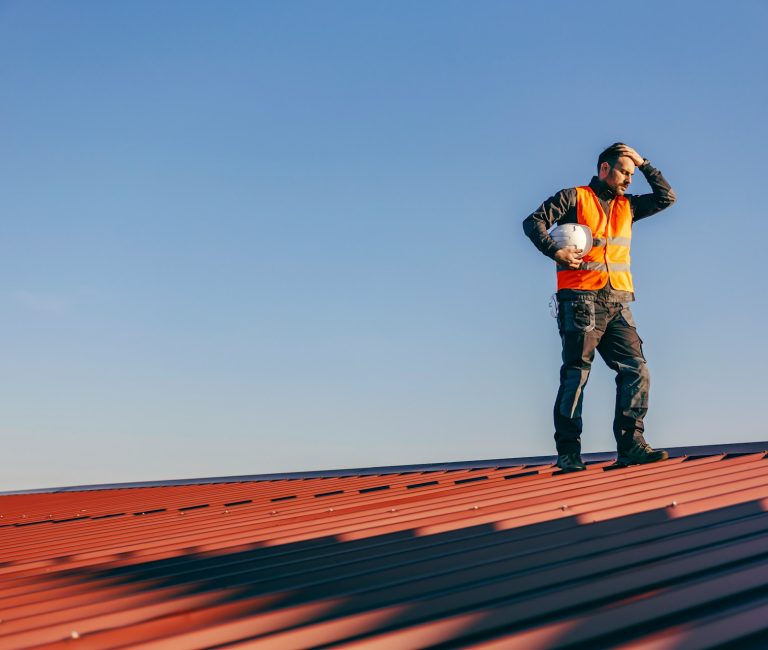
x: 634, y: 382
x: 573, y: 382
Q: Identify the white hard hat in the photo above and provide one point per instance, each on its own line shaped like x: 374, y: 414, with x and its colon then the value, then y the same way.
x: 573, y: 234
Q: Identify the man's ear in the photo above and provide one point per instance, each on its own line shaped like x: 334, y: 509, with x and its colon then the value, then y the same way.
x: 603, y: 171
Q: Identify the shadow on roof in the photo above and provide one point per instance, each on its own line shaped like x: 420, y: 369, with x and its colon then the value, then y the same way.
x: 550, y: 584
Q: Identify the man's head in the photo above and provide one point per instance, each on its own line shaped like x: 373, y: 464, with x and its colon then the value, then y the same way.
x: 615, y: 169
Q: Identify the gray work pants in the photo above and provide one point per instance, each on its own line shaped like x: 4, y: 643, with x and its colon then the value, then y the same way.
x: 609, y: 328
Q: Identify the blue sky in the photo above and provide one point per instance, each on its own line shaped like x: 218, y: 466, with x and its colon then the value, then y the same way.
x: 245, y: 237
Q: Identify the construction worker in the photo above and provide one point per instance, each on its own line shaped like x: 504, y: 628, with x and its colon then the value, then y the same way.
x: 594, y: 289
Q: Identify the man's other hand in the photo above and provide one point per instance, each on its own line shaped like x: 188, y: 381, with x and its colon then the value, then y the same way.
x: 569, y: 257
x: 630, y: 153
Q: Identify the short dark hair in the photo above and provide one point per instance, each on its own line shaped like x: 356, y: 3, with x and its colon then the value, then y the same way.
x: 610, y: 155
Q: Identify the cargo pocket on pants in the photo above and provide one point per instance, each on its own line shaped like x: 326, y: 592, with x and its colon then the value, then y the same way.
x: 578, y: 315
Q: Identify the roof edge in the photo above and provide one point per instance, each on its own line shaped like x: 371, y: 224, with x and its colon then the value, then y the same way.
x: 674, y: 452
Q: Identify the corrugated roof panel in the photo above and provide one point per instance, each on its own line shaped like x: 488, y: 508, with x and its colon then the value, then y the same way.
x: 513, y: 555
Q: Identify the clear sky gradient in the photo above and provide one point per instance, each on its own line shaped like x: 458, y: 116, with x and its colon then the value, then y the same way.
x: 246, y: 237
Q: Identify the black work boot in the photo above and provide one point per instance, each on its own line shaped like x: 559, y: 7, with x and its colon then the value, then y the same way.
x: 639, y: 454
x: 570, y: 462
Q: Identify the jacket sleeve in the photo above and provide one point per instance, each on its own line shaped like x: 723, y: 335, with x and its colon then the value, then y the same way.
x: 662, y: 195
x: 559, y: 208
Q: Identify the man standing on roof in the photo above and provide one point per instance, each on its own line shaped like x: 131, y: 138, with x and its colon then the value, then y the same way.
x: 594, y: 290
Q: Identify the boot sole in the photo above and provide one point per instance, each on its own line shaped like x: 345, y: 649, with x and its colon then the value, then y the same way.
x: 645, y: 461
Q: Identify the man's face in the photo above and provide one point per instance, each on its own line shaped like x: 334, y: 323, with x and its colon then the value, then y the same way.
x: 619, y: 176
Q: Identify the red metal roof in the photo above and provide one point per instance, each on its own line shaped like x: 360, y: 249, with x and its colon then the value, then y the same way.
x: 481, y: 555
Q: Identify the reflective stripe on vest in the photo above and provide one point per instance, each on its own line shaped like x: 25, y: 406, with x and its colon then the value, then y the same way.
x: 611, y: 241
x: 618, y: 241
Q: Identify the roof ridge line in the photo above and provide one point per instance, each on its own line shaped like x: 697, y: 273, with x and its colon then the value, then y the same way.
x: 674, y: 452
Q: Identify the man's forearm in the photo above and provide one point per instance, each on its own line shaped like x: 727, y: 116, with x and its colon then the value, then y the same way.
x: 539, y: 222
x: 662, y: 195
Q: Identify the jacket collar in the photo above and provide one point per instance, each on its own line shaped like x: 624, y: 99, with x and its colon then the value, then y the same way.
x: 601, y: 189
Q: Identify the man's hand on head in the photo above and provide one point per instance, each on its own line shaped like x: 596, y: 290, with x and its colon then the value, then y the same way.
x: 630, y: 153
x: 569, y: 257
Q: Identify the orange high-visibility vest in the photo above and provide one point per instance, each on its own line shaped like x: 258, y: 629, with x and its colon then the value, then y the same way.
x: 612, y: 237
